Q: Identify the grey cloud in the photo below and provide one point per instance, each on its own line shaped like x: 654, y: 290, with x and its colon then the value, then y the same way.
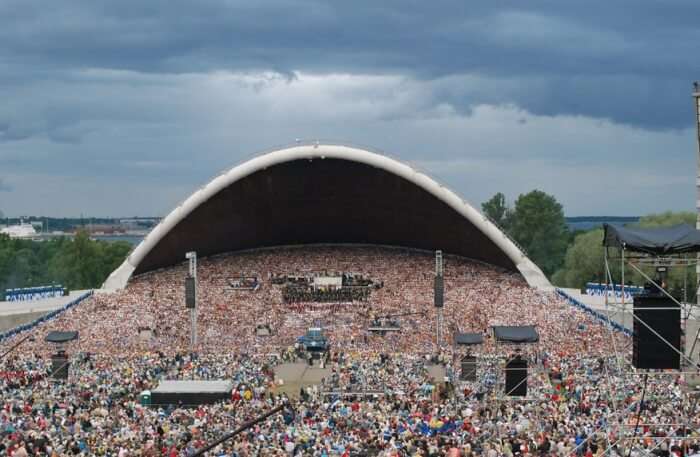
x: 152, y: 98
x: 4, y: 186
x: 154, y: 138
x: 610, y: 60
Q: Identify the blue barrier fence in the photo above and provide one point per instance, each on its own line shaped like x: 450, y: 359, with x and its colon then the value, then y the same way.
x: 613, y: 290
x: 34, y: 293
x: 598, y: 315
x: 44, y: 318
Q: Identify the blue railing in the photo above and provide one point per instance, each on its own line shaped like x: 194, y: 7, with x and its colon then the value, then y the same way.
x: 44, y: 318
x: 613, y: 290
x: 598, y: 315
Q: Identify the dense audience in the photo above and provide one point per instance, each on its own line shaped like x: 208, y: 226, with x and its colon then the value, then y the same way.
x: 304, y: 294
x: 380, y: 396
x: 337, y: 287
x: 244, y: 283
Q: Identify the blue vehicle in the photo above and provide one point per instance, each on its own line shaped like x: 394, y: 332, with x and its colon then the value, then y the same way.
x: 314, y: 340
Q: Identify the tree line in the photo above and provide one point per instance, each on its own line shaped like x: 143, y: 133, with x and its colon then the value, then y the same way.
x: 535, y: 221
x: 573, y: 258
x: 76, y: 263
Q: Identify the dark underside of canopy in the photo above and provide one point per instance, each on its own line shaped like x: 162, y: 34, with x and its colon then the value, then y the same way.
x: 61, y: 337
x: 322, y: 201
x: 677, y: 239
x: 516, y: 334
x: 468, y: 339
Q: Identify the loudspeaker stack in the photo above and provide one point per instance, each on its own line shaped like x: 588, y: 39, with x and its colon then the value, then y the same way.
x: 439, y: 291
x: 468, y: 368
x: 59, y: 365
x: 662, y: 317
x: 189, y: 292
x: 516, y: 377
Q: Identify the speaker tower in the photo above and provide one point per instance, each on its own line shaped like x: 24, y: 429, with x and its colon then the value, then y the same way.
x: 516, y: 377
x: 662, y: 317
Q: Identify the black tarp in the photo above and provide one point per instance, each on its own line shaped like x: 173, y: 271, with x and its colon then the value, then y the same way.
x: 469, y: 338
x: 516, y: 334
x: 61, y: 337
x: 658, y: 240
x: 191, y: 393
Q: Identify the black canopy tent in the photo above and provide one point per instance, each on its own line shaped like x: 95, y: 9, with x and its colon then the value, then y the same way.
x: 677, y: 239
x: 468, y: 339
x: 661, y: 247
x: 516, y: 334
x: 59, y: 361
x: 61, y: 337
x: 468, y: 363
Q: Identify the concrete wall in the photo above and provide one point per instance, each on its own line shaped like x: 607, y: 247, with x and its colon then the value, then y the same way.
x: 16, y: 313
x: 10, y: 321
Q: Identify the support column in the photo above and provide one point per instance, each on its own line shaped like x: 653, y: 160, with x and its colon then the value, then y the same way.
x: 439, y: 306
x: 696, y: 103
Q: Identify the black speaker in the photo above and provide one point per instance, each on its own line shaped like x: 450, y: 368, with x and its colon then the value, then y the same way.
x: 59, y: 365
x: 439, y: 292
x: 516, y: 377
x: 189, y: 292
x: 663, y: 316
x: 468, y: 368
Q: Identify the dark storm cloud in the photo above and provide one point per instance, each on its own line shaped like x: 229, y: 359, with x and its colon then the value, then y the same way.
x: 125, y: 107
x: 631, y: 62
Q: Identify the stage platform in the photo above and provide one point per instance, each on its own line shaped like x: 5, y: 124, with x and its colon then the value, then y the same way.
x: 297, y: 375
x: 191, y: 393
x: 437, y: 372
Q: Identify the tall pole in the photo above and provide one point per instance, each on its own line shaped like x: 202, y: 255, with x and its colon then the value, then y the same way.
x: 696, y: 100
x: 439, y: 277
x: 192, y: 257
x: 16, y: 345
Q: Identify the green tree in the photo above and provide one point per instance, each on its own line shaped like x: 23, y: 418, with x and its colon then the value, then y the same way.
x: 583, y: 261
x: 497, y: 210
x: 668, y: 218
x: 538, y: 225
x: 79, y: 263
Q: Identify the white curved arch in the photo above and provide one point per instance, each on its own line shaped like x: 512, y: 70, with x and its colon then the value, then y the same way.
x: 532, y: 274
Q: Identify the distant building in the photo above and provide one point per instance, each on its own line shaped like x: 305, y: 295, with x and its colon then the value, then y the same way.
x: 22, y: 231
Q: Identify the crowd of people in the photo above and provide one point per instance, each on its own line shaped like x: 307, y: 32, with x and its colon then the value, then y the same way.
x: 380, y: 397
x: 306, y: 294
x: 325, y: 287
x: 244, y: 283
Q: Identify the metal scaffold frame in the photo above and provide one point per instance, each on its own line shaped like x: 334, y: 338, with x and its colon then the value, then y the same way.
x: 624, y: 422
x: 637, y: 262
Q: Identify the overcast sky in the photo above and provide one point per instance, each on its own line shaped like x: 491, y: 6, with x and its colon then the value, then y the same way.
x: 126, y: 107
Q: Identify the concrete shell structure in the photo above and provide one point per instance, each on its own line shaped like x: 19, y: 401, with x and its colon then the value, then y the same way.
x: 310, y: 194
